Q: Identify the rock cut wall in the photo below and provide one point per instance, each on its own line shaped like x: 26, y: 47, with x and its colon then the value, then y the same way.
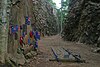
x: 44, y: 16
x: 83, y: 23
x: 41, y: 17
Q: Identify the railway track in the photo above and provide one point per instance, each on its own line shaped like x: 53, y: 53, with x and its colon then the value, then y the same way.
x: 64, y: 55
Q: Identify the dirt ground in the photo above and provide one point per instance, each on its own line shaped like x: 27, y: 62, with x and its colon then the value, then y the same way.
x: 45, y: 44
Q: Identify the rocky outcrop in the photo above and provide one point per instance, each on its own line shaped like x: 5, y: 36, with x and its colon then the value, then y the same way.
x: 83, y: 23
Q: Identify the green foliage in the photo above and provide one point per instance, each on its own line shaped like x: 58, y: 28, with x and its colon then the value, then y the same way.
x: 63, y: 9
x: 62, y: 12
x: 52, y: 3
x: 0, y: 20
x: 65, y: 4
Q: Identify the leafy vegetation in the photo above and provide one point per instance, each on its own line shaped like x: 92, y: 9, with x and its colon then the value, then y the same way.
x: 52, y: 3
x: 61, y: 12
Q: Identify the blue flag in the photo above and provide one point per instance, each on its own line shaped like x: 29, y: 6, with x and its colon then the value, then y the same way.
x: 27, y: 20
x: 29, y: 41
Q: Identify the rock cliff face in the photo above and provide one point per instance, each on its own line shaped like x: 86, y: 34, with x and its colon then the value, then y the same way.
x: 41, y: 14
x: 83, y: 23
x: 44, y: 16
x: 41, y: 17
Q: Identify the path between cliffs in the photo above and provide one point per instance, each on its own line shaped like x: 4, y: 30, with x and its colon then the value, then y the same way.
x: 42, y: 60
